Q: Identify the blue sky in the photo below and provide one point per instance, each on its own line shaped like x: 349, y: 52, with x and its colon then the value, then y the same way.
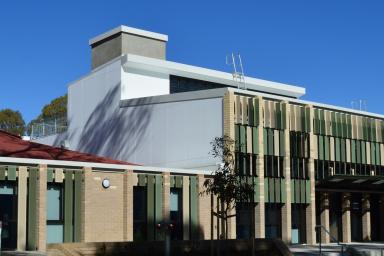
x: 333, y: 48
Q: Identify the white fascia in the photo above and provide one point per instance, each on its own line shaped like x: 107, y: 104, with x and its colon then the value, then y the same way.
x: 135, y: 62
x: 111, y: 167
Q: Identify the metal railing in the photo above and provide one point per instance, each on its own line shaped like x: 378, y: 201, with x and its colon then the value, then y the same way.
x: 318, y: 228
x: 48, y: 127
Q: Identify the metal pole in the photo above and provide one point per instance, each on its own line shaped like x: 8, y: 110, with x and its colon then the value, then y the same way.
x: 167, y: 243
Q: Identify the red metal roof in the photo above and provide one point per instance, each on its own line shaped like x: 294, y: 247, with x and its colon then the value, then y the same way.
x: 14, y: 146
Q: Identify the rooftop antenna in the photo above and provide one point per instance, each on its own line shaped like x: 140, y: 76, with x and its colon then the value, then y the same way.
x: 238, y: 73
x: 359, y: 105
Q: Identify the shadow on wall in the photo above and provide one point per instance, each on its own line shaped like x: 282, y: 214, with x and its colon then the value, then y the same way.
x: 110, y: 128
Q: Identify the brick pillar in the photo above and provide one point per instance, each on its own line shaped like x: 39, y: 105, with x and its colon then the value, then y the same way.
x: 204, y: 211
x: 310, y: 211
x: 41, y: 208
x: 366, y: 218
x: 346, y: 217
x: 22, y: 208
x: 324, y: 217
x: 128, y: 206
x: 260, y: 206
x: 286, y: 218
x: 86, y: 190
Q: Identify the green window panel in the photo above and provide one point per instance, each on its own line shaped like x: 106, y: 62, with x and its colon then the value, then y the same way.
x: 255, y: 140
x: 49, y: 175
x: 283, y: 189
x: 172, y: 181
x: 337, y: 149
x: 302, y: 191
x: 68, y: 206
x: 293, y: 199
x: 343, y: 150
x: 32, y: 209
x: 326, y: 148
x: 297, y: 191
x: 373, y: 125
x: 142, y: 180
x: 364, y: 128
x: 270, y: 142
x: 271, y: 190
x: 78, y: 177
x: 278, y: 116
x: 284, y: 116
x: 316, y: 128
x: 334, y: 124
x: 322, y: 122
x: 303, y: 120
x: 159, y: 202
x: 378, y: 154
x: 358, y: 152
x: 237, y: 137
x: 339, y: 125
x: 344, y: 121
x: 277, y: 190
x: 308, y: 119
x: 353, y: 151
x: 2, y: 172
x: 265, y: 141
x: 251, y: 117
x: 193, y: 199
x: 150, y: 207
x: 282, y: 143
x: 243, y: 139
x: 363, y: 152
x: 373, y: 153
x: 321, y: 147
x: 349, y: 126
x: 266, y: 190
x: 178, y: 183
x: 11, y: 173
x: 308, y: 191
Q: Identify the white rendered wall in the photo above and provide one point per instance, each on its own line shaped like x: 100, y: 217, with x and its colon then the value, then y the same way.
x: 172, y: 134
x: 139, y: 83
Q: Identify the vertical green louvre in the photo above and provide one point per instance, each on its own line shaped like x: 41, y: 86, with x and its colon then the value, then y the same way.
x: 271, y: 190
x: 284, y: 116
x: 283, y: 191
x: 337, y: 149
x: 159, y: 201
x: 326, y: 148
x: 243, y: 139
x: 349, y: 126
x: 282, y: 143
x: 308, y: 119
x: 378, y: 154
x: 251, y: 114
x: 321, y: 147
x: 68, y: 207
x: 353, y: 151
x: 358, y: 151
x: 266, y: 190
x: 32, y: 208
x: 303, y: 123
x: 150, y: 207
x: 343, y: 150
x: 11, y: 172
x: 278, y: 116
x: 49, y: 175
x: 270, y: 142
x: 237, y: 137
x: 322, y: 122
x: 334, y: 124
x: 265, y: 141
x: 316, y: 126
x: 193, y: 199
x: 2, y: 172
x: 78, y: 176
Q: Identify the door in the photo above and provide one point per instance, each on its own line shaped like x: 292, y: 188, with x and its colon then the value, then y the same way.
x: 8, y: 216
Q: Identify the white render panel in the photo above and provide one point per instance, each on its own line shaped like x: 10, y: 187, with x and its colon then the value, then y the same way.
x: 143, y: 84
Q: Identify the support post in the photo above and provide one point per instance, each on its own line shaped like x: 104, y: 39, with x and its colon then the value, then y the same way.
x: 324, y: 217
x: 366, y: 217
x: 22, y: 208
x: 346, y: 217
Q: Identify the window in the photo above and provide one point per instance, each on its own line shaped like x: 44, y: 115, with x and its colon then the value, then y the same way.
x: 55, y: 216
x: 139, y: 213
x: 176, y: 215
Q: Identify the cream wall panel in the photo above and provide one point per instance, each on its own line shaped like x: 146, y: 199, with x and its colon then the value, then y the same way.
x: 245, y: 110
x: 368, y: 147
x: 238, y: 109
x: 298, y: 118
x: 332, y: 148
x: 292, y: 121
x: 276, y: 136
x: 382, y: 153
x: 348, y: 149
x: 272, y: 108
x: 267, y: 115
x: 249, y: 139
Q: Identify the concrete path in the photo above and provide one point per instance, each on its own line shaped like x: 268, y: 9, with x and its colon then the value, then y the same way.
x: 363, y: 249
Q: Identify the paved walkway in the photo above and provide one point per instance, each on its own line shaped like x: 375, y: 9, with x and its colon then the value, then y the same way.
x: 371, y: 249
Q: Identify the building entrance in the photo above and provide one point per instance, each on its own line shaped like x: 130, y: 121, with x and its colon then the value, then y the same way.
x: 356, y: 218
x: 8, y: 216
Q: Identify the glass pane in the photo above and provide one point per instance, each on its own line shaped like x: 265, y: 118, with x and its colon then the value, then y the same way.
x: 54, y: 234
x: 6, y: 190
x: 53, y: 203
x: 174, y: 201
